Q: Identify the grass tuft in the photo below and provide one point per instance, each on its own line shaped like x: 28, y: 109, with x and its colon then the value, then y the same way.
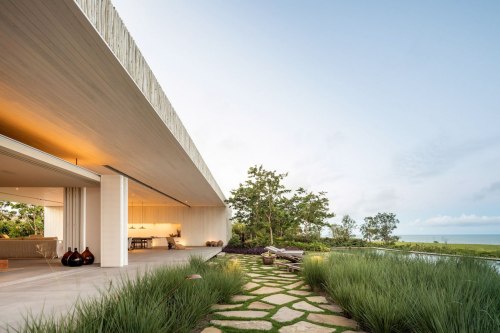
x: 162, y: 300
x: 396, y: 293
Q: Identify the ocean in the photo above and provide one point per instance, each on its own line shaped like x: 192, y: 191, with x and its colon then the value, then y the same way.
x: 453, y: 239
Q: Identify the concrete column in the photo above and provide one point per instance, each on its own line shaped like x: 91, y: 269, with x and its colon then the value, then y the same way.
x: 93, y: 221
x: 114, y: 220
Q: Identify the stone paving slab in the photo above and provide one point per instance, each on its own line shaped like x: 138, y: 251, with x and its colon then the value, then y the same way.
x: 241, y: 298
x: 243, y: 313
x: 260, y: 306
x: 211, y: 330
x: 244, y: 324
x: 254, y: 275
x: 317, y: 299
x: 286, y: 314
x: 280, y: 299
x: 299, y: 292
x: 225, y: 306
x: 306, y: 307
x: 332, y: 320
x: 331, y: 307
x: 251, y: 285
x: 294, y: 285
x: 305, y: 327
x: 266, y: 290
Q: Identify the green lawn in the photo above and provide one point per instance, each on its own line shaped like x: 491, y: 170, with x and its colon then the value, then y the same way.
x: 479, y: 250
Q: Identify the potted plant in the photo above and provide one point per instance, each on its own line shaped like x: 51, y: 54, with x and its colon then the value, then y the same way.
x: 268, y: 258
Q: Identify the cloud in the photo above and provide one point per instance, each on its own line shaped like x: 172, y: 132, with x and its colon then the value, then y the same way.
x: 493, y: 189
x: 460, y: 221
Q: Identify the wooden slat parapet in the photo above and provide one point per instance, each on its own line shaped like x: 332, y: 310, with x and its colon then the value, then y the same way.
x: 107, y: 22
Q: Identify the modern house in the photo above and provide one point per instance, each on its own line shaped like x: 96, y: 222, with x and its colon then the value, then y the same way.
x: 87, y: 132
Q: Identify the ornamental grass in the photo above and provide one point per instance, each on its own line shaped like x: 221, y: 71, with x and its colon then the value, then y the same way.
x: 400, y: 293
x: 161, y: 300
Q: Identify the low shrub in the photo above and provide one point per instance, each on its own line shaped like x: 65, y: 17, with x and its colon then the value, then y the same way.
x: 163, y: 300
x: 398, y: 293
x: 311, y: 246
x: 243, y: 250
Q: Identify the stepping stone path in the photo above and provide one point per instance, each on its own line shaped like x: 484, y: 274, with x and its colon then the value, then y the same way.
x: 276, y: 301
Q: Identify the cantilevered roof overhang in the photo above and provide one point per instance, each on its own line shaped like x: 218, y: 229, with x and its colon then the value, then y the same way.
x: 74, y: 84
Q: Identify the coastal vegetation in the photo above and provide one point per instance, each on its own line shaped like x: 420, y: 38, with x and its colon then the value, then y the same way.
x: 475, y: 250
x: 266, y: 212
x: 162, y: 300
x: 396, y: 293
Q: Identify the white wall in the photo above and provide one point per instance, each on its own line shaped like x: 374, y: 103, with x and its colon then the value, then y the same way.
x: 93, y: 221
x: 197, y: 224
x: 53, y: 222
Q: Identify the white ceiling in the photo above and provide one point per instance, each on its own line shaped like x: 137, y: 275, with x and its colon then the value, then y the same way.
x: 64, y: 92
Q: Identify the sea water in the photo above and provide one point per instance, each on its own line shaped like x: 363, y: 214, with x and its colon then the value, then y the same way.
x: 453, y: 239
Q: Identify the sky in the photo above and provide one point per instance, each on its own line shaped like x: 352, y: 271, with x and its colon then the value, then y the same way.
x: 388, y: 106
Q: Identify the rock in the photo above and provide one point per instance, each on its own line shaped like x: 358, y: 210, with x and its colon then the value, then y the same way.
x: 272, y: 284
x: 286, y: 314
x: 305, y: 327
x: 332, y: 320
x: 279, y: 299
x: 266, y: 290
x: 244, y: 325
x: 243, y: 314
x: 306, y: 307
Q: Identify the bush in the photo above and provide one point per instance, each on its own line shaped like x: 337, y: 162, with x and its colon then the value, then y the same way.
x: 234, y: 241
x: 398, y: 293
x: 162, y: 300
x: 242, y: 250
x: 311, y: 246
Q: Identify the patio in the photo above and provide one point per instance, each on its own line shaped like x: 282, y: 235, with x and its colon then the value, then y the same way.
x: 38, y: 285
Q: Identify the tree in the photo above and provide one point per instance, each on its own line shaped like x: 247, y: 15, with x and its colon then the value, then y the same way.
x: 387, y: 223
x: 369, y: 229
x: 380, y: 227
x: 345, y: 231
x: 312, y: 211
x: 19, y: 219
x: 334, y: 229
x: 267, y: 208
x: 258, y: 202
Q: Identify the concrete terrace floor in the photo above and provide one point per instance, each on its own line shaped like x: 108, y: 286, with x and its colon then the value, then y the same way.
x: 40, y: 285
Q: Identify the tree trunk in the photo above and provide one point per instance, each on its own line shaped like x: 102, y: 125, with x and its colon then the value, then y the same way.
x: 271, y: 233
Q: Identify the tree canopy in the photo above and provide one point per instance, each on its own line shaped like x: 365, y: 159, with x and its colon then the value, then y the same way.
x: 19, y: 219
x: 268, y: 209
x: 380, y: 227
